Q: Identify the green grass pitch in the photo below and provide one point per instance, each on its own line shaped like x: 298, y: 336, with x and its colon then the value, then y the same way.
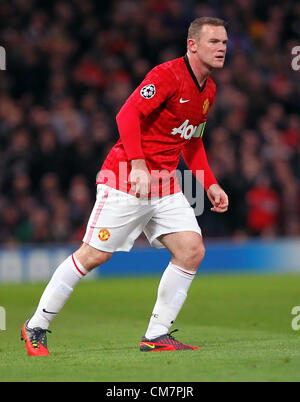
x: 241, y: 323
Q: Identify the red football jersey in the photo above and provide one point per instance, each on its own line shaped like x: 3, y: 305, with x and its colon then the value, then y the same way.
x: 173, y: 109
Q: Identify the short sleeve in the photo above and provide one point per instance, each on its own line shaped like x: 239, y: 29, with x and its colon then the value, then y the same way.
x: 159, y: 85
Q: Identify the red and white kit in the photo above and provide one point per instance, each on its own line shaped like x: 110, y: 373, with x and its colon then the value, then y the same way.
x: 164, y: 118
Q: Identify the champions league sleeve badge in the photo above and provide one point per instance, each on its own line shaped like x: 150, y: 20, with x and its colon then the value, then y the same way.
x: 148, y: 91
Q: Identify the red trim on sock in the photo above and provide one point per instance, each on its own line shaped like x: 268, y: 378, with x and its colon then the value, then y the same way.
x: 185, y: 271
x: 77, y: 266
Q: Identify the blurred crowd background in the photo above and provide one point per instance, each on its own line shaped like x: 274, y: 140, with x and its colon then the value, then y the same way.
x: 72, y: 63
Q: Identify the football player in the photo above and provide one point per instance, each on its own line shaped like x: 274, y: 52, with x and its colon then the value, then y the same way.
x: 137, y: 189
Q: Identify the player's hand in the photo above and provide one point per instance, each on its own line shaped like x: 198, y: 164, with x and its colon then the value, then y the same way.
x: 139, y: 178
x: 218, y: 198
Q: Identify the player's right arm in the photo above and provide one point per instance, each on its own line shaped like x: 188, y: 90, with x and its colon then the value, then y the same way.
x: 155, y: 89
x: 128, y: 120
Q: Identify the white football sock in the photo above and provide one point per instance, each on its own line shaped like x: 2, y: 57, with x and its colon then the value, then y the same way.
x: 58, y: 290
x: 172, y: 292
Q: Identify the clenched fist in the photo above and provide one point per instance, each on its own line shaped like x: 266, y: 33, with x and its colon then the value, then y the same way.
x: 218, y: 198
x: 140, y: 178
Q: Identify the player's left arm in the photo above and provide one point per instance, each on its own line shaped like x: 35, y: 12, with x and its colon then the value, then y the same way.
x: 195, y: 157
x: 218, y: 198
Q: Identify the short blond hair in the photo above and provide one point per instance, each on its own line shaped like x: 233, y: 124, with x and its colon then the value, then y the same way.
x: 196, y: 25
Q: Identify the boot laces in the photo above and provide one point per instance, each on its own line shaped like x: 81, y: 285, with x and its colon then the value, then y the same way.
x: 172, y: 337
x: 38, y: 336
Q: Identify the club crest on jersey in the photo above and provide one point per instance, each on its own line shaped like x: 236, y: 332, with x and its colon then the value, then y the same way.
x: 104, y: 234
x: 187, y: 131
x: 148, y: 91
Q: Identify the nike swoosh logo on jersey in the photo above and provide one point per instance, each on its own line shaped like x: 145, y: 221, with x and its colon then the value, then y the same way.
x: 48, y: 312
x: 183, y: 101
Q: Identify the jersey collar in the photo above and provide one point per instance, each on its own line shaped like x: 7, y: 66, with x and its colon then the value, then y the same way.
x: 187, y: 63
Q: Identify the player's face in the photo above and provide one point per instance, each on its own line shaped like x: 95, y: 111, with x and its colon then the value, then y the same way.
x: 211, y: 46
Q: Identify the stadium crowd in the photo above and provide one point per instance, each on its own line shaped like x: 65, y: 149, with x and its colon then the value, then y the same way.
x: 72, y: 63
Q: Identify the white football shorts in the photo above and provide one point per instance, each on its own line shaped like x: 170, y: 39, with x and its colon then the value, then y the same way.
x: 118, y: 219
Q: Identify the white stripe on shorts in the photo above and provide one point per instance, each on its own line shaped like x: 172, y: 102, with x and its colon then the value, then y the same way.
x: 97, y: 213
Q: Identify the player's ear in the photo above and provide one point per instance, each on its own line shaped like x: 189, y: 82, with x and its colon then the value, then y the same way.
x: 192, y: 45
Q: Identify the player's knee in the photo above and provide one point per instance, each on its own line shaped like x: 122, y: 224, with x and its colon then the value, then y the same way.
x: 196, y: 254
x: 193, y: 255
x: 90, y: 257
x: 100, y: 257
